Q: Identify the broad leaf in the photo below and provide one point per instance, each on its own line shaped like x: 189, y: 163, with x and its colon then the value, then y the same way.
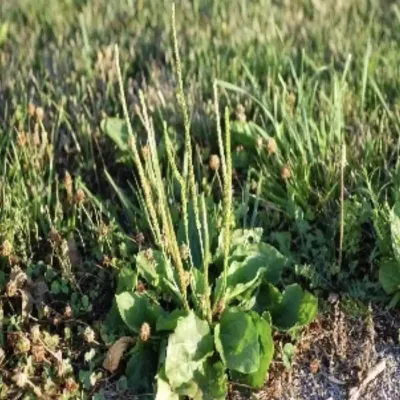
x: 127, y: 280
x: 395, y: 230
x: 189, y: 345
x: 297, y: 308
x: 257, y: 379
x: 135, y: 309
x: 147, y: 267
x: 113, y: 325
x: 249, y: 264
x: 236, y: 339
x: 209, y: 382
x: 288, y: 353
x: 2, y: 280
x: 164, y: 390
x: 241, y: 237
x: 142, y: 368
x: 158, y: 272
x: 389, y: 276
x: 267, y: 298
x: 198, y: 282
x: 168, y: 321
x: 395, y: 300
x: 198, y: 285
x: 194, y: 237
x: 265, y: 255
x: 117, y: 130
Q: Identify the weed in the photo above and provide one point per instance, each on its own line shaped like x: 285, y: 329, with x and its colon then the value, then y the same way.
x: 186, y: 319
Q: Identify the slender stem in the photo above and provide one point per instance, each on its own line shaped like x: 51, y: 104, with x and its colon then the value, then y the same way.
x: 168, y: 228
x: 143, y: 180
x: 182, y: 185
x: 341, y: 233
x: 227, y: 199
x: 188, y: 161
x: 207, y: 258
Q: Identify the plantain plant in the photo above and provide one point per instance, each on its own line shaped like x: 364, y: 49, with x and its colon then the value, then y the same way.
x: 387, y: 227
x: 203, y: 301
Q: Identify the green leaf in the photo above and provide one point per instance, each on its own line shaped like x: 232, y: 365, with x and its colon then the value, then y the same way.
x: 3, y: 280
x: 263, y: 254
x: 242, y: 276
x: 288, y: 353
x: 209, y: 382
x: 297, y: 308
x: 130, y: 208
x: 135, y: 309
x: 194, y: 237
x: 257, y: 379
x: 236, y: 339
x: 198, y: 285
x: 395, y: 300
x: 268, y: 297
x: 142, y: 368
x: 4, y: 27
x: 164, y: 390
x: 113, y: 325
x: 158, y: 272
x: 395, y: 230
x: 168, y: 321
x: 127, y: 280
x: 147, y: 267
x: 189, y: 345
x: 245, y: 134
x: 243, y: 237
x: 389, y: 276
x: 117, y: 130
x: 248, y: 265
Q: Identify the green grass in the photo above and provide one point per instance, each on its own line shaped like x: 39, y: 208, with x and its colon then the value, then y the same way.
x: 316, y: 76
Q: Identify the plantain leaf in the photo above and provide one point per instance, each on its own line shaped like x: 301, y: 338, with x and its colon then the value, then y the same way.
x: 142, y: 368
x: 164, y: 390
x: 267, y: 298
x: 297, y: 308
x: 147, y: 266
x: 127, y: 280
x: 198, y: 285
x: 395, y: 230
x: 135, y: 309
x: 194, y: 237
x: 168, y: 321
x: 249, y: 265
x: 209, y: 382
x: 265, y: 255
x: 389, y: 276
x: 257, y: 378
x: 117, y: 130
x: 189, y: 345
x: 243, y: 237
x: 236, y: 339
x: 157, y: 271
x: 288, y: 353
